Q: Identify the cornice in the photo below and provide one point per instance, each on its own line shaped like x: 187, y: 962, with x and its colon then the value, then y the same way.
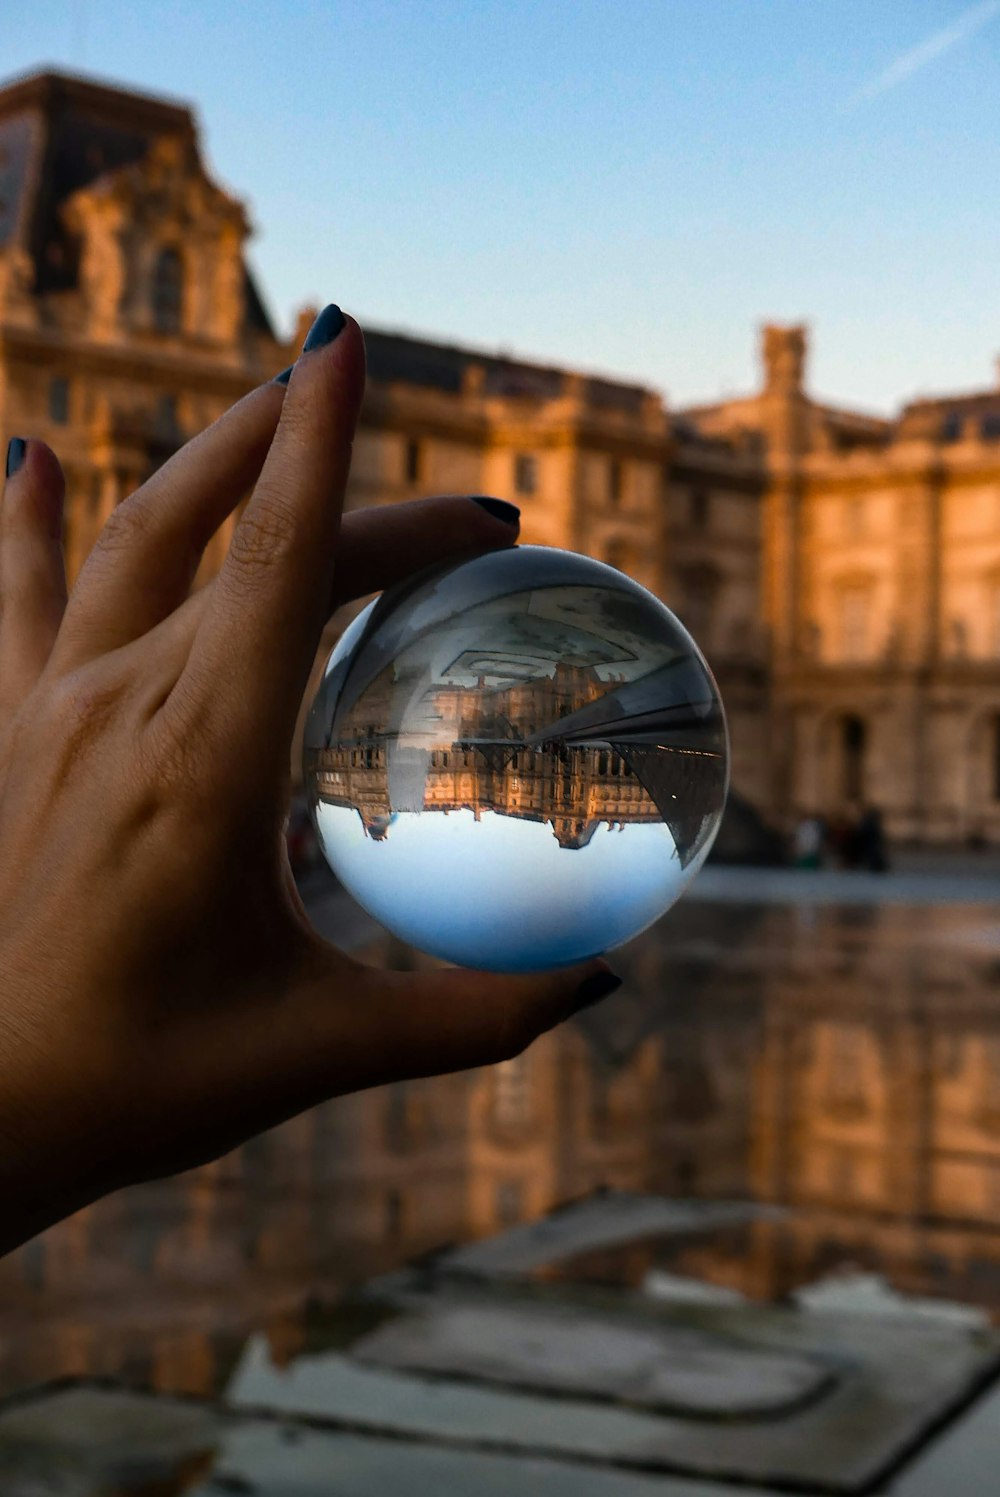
x: 51, y: 91
x: 131, y: 361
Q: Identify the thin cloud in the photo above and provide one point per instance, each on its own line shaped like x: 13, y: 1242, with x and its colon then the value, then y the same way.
x: 928, y: 51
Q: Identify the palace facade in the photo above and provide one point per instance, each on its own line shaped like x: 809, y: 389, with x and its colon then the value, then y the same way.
x: 841, y: 572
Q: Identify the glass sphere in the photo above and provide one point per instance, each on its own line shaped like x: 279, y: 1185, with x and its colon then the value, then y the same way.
x: 518, y: 760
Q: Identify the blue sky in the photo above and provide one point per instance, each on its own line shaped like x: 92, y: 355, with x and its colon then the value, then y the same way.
x: 623, y: 185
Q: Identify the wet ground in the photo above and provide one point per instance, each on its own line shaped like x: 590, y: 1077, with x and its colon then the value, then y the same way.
x: 814, y: 1044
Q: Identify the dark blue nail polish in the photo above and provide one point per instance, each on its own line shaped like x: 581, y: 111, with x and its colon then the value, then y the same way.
x: 594, y: 988
x: 327, y: 326
x: 284, y: 376
x: 498, y: 508
x: 16, y: 448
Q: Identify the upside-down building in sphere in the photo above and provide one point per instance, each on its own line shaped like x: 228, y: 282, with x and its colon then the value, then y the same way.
x: 841, y: 572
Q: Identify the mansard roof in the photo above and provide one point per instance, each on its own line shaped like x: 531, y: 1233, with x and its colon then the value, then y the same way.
x: 948, y: 416
x: 401, y: 358
x: 60, y: 133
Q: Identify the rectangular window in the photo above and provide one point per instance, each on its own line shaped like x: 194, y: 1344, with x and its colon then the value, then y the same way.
x: 854, y: 623
x: 615, y: 481
x: 414, y: 461
x: 509, y: 1203
x: 700, y: 505
x: 854, y: 519
x: 512, y: 1092
x: 526, y: 473
x: 166, y: 418
x: 59, y: 399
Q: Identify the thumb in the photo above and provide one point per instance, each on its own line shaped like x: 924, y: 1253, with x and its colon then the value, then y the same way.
x: 453, y: 1019
x: 352, y: 1027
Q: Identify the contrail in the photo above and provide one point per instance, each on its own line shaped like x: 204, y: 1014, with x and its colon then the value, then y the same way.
x: 908, y: 63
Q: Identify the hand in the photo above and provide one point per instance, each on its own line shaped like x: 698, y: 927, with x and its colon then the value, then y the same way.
x: 162, y: 994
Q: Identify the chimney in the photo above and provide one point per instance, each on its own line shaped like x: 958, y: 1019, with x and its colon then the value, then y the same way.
x: 783, y: 354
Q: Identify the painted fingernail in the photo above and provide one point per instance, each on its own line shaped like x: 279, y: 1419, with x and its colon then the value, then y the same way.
x: 599, y: 985
x: 16, y: 448
x: 327, y: 326
x: 498, y: 508
x: 284, y: 376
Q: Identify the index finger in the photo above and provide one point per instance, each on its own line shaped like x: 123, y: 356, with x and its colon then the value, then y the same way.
x: 251, y: 657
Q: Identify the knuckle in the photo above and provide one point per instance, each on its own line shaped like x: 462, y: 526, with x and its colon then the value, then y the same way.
x: 82, y: 702
x: 266, y: 536
x: 126, y: 526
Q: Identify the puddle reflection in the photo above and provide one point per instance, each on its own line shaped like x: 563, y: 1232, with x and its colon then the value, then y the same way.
x: 844, y: 1063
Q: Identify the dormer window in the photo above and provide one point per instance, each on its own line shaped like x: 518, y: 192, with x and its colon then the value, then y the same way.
x: 168, y: 289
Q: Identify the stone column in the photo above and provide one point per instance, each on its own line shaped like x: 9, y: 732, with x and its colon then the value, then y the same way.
x: 784, y: 419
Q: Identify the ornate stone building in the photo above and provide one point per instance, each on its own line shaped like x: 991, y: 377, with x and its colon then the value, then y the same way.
x: 842, y: 573
x: 128, y: 318
x: 881, y: 598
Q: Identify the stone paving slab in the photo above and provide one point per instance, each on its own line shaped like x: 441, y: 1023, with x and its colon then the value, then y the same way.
x: 895, y: 1381
x: 600, y: 1221
x: 564, y: 1349
x: 93, y: 1442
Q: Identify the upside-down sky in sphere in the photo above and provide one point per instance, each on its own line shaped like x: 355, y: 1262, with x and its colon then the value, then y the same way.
x: 516, y: 761
x: 627, y: 188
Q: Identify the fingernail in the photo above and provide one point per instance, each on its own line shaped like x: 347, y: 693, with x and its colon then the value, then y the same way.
x: 599, y: 985
x: 498, y: 508
x: 284, y: 376
x: 328, y: 324
x: 16, y: 448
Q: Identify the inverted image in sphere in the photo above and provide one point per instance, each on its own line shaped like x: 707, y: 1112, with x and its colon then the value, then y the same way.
x: 517, y: 761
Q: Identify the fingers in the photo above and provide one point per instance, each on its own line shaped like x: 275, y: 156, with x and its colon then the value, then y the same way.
x: 251, y: 658
x: 378, y: 547
x: 144, y: 560
x: 32, y: 569
x: 375, y: 549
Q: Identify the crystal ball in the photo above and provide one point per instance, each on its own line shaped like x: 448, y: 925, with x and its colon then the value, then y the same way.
x: 516, y: 761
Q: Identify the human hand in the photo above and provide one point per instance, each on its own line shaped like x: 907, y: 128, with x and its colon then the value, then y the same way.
x: 162, y: 994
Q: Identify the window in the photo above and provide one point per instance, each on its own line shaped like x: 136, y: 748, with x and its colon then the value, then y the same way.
x: 615, y: 482
x: 854, y: 518
x: 395, y: 1214
x: 700, y: 505
x: 413, y: 461
x: 511, y: 1092
x: 168, y: 291
x: 525, y: 473
x: 989, y: 427
x: 509, y: 1203
x: 853, y: 738
x: 166, y: 417
x: 854, y: 623
x: 59, y: 399
x: 951, y: 427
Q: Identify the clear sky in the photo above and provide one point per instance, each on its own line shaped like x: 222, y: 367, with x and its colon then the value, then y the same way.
x: 623, y: 185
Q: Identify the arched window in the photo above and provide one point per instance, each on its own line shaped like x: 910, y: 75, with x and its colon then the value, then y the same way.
x: 853, y: 738
x: 168, y: 291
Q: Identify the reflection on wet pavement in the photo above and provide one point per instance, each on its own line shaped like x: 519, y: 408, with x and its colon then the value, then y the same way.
x: 843, y: 1062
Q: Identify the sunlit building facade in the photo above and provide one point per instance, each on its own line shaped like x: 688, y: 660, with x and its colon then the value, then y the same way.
x: 841, y: 572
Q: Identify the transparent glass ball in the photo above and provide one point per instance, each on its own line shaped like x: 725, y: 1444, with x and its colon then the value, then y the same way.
x: 516, y: 761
